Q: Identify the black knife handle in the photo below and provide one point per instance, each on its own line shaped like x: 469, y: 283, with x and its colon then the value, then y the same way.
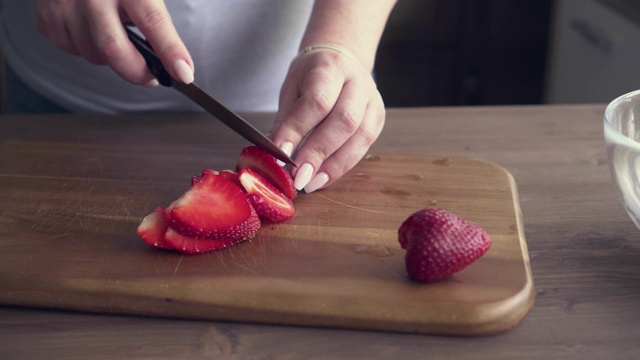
x: 153, y: 61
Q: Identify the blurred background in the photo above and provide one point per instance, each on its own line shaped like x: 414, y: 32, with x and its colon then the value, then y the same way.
x: 503, y: 52
x: 507, y: 52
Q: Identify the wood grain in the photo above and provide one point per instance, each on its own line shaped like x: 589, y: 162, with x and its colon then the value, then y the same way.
x: 583, y: 247
x: 336, y: 264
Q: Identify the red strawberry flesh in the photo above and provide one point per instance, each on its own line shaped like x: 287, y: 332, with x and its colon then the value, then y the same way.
x: 270, y: 204
x: 439, y: 244
x: 196, y: 178
x: 254, y: 158
x: 152, y: 229
x: 224, y: 207
x: 190, y: 245
x: 213, y: 208
x: 232, y: 176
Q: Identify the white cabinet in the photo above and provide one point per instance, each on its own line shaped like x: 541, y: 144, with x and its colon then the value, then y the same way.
x: 594, y: 54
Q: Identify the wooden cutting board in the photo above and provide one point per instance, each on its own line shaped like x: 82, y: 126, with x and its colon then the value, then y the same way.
x: 69, y: 212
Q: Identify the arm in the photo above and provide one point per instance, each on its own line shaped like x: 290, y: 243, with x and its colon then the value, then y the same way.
x: 329, y: 98
x: 356, y: 25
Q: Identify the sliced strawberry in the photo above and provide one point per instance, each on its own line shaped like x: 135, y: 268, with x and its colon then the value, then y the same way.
x: 254, y: 158
x: 166, y: 213
x: 196, y: 178
x: 209, y: 171
x: 213, y: 208
x: 229, y: 174
x: 152, y: 229
x: 233, y: 177
x: 190, y: 245
x: 270, y: 204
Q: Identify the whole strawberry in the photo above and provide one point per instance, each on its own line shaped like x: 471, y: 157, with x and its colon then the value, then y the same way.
x: 439, y: 244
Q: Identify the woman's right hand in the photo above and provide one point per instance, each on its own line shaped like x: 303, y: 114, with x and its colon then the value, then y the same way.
x: 93, y: 29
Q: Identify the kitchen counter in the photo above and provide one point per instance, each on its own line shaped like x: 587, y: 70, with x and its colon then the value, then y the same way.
x: 583, y: 247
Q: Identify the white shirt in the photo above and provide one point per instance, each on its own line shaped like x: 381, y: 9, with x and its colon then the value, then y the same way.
x: 241, y: 50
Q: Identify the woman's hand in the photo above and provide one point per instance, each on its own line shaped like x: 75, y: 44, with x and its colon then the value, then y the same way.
x: 330, y: 112
x: 330, y: 109
x: 94, y: 30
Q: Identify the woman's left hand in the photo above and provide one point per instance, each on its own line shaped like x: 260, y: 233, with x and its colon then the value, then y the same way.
x: 330, y: 112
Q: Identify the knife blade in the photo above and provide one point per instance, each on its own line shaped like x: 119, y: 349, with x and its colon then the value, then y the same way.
x: 206, y: 101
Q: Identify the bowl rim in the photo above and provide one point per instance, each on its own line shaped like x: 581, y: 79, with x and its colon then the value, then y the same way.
x: 612, y: 131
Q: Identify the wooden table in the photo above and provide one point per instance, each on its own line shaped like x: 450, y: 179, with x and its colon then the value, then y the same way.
x: 583, y: 247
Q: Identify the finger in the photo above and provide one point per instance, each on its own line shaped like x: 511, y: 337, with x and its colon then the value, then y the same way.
x: 50, y: 21
x: 154, y: 21
x: 80, y: 33
x: 333, y: 132
x: 308, y: 104
x: 286, y: 102
x: 348, y: 156
x: 109, y: 44
x: 289, y: 94
x: 287, y: 99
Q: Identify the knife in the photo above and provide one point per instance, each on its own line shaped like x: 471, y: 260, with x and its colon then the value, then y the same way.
x: 206, y: 101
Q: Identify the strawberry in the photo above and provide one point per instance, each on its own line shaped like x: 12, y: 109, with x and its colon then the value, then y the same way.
x: 258, y: 160
x: 190, y: 245
x: 196, y: 178
x: 232, y: 176
x: 439, y: 244
x: 270, y: 204
x: 227, y: 174
x: 213, y: 208
x: 152, y: 229
x: 223, y: 207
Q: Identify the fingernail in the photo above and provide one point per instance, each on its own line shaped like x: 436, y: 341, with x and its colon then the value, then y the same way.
x: 183, y: 71
x: 317, y: 182
x: 303, y: 176
x: 287, y: 147
x: 152, y: 83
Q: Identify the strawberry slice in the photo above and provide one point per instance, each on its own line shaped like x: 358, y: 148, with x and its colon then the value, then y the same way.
x: 196, y: 178
x: 254, y: 158
x: 232, y: 176
x: 213, y: 208
x: 190, y: 245
x: 152, y: 229
x: 270, y: 204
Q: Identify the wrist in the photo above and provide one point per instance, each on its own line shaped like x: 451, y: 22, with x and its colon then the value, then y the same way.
x: 338, y: 49
x: 329, y: 47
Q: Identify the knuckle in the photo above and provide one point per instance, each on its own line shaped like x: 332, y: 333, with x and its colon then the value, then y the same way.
x: 342, y: 165
x: 152, y: 18
x: 109, y: 47
x: 169, y: 50
x: 348, y: 121
x: 319, y: 102
x: 319, y: 154
x: 367, y: 137
x: 292, y: 130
